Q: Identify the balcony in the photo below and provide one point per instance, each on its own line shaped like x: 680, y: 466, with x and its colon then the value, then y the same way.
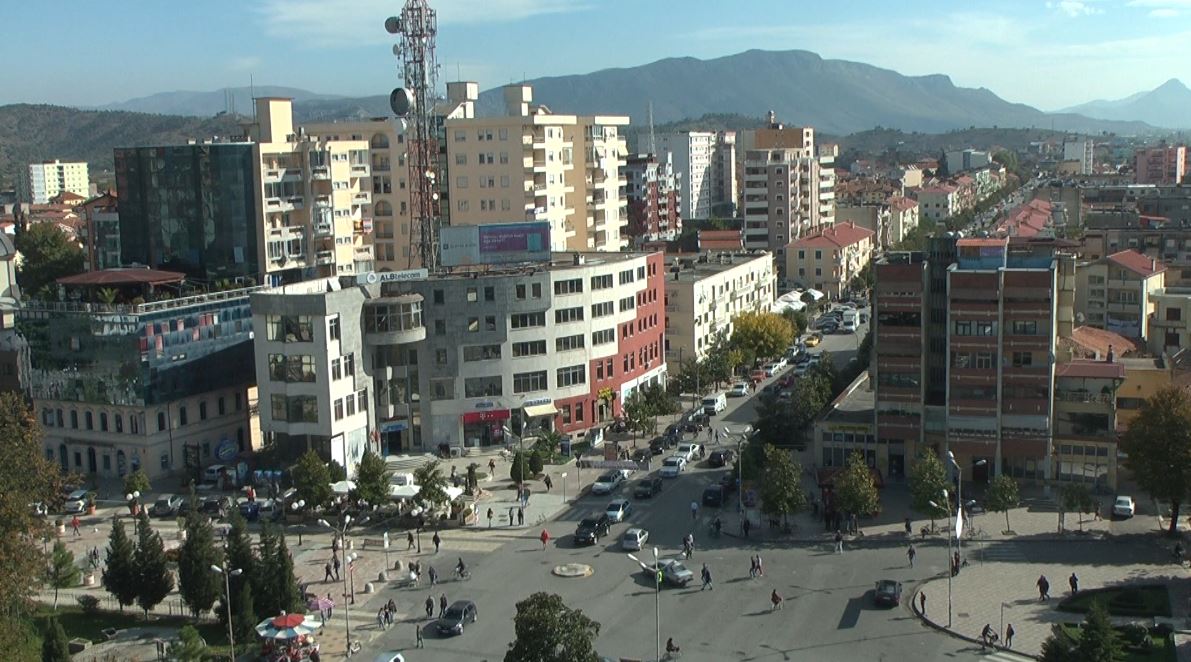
x: 320, y: 172
x: 286, y: 233
x: 362, y: 198
x: 324, y: 230
x: 361, y: 170
x: 363, y: 254
x: 323, y: 200
x: 324, y: 257
x: 1085, y: 397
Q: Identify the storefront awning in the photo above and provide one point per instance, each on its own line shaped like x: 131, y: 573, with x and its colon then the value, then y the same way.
x: 486, y: 416
x: 534, y: 411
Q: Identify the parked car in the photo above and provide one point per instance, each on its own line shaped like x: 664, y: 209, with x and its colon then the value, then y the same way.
x: 672, y: 466
x: 690, y: 451
x: 721, y: 457
x: 607, y: 483
x: 634, y: 539
x: 217, y: 506
x: 250, y: 510
x: 618, y: 510
x: 779, y: 362
x: 674, y: 572
x: 648, y: 487
x: 166, y: 506
x: 757, y: 376
x: 75, y: 502
x: 456, y: 616
x: 888, y: 593
x: 590, y: 529
x: 739, y: 390
x: 1124, y: 507
x: 813, y: 340
x: 714, y: 495
x: 770, y: 369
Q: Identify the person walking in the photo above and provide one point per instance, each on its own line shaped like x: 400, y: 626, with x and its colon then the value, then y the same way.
x: 327, y: 575
x: 520, y: 517
x: 418, y: 631
x: 74, y: 524
x: 1043, y: 589
x: 512, y: 515
x: 549, y: 483
x: 922, y: 602
x: 430, y: 606
x: 545, y: 538
x: 490, y: 518
x: 1009, y: 632
x: 694, y: 510
x: 775, y: 600
x: 745, y: 526
x: 1073, y: 582
x: 335, y: 564
x: 839, y: 542
x: 330, y: 606
x: 491, y: 466
x: 409, y: 540
x: 909, y: 528
x: 433, y: 576
x: 760, y: 567
x: 442, y: 605
x: 986, y: 636
x: 380, y: 618
x: 910, y: 553
x: 752, y: 567
x: 437, y: 541
x: 706, y: 578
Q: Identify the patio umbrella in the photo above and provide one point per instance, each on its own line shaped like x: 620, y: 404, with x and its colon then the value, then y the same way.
x: 343, y: 487
x: 285, y: 627
x: 320, y: 603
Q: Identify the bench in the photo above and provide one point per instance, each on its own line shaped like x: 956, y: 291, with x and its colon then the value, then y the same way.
x: 373, y: 542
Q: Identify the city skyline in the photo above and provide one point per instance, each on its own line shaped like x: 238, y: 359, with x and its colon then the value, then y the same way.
x: 1124, y: 46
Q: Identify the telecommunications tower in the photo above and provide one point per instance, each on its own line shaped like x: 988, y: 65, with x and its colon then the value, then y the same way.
x: 414, y: 103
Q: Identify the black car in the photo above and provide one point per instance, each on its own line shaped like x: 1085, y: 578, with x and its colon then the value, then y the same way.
x: 714, y: 495
x: 657, y: 445
x: 721, y: 458
x: 456, y: 616
x: 642, y: 455
x: 648, y: 487
x: 591, y: 528
x: 888, y: 593
x: 217, y: 506
x: 185, y: 507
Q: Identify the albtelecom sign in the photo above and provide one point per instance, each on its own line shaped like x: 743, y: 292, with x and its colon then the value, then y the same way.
x: 374, y: 277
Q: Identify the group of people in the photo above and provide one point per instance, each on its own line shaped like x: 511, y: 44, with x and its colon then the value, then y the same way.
x: 989, y: 637
x: 387, y: 615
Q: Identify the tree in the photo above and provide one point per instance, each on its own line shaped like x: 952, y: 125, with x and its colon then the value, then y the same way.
x: 854, y: 490
x: 761, y: 335
x: 431, y: 483
x: 285, y: 583
x: 137, y: 481
x: 243, y: 614
x: 1058, y: 647
x: 119, y: 574
x: 638, y: 413
x: 781, y: 491
x: 199, y: 586
x: 536, y: 465
x: 519, y: 470
x: 1098, y: 640
x: 549, y: 631
x: 265, y: 596
x: 54, y: 645
x: 1001, y: 496
x: 1075, y: 498
x: 189, y: 647
x: 47, y: 254
x: 312, y: 478
x: 1158, y: 444
x: 928, y: 481
x: 61, y: 571
x: 154, y: 580
x: 372, y: 479
x: 239, y: 556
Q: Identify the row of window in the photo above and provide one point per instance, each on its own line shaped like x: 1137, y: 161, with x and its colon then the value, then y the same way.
x: 115, y: 423
x: 350, y: 404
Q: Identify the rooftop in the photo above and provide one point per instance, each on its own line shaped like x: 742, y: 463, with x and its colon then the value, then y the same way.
x: 693, y: 267
x: 123, y: 276
x: 1137, y: 263
x: 838, y: 235
x: 1090, y: 369
x: 1090, y: 342
x: 854, y: 405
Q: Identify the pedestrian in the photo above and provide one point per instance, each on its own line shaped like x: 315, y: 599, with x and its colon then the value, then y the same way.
x: 433, y: 576
x: 418, y: 631
x: 752, y: 567
x: 1043, y: 589
x: 335, y: 564
x: 380, y: 618
x: 922, y: 602
x: 1073, y: 582
x: 986, y: 636
x: 327, y: 575
x: 409, y: 540
x: 492, y: 466
x: 839, y: 542
x: 549, y: 483
x: 330, y: 606
x: 442, y: 605
x: 1009, y: 636
x: 545, y: 538
x: 520, y: 517
x: 760, y: 567
x: 694, y: 510
x: 334, y: 544
x: 74, y: 524
x: 910, y: 553
x: 745, y: 526
x: 706, y: 578
x: 392, y: 607
x: 909, y: 528
x: 512, y: 515
x: 489, y: 518
x: 956, y: 563
x: 430, y: 606
x: 437, y: 541
x: 776, y: 600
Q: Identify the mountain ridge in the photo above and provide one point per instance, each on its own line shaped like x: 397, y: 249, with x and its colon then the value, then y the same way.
x: 1164, y: 106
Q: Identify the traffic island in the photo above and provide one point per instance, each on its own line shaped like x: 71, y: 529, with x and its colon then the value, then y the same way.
x: 572, y: 570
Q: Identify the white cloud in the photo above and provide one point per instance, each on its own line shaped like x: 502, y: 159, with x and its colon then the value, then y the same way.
x: 1073, y: 8
x: 359, y: 22
x: 244, y: 63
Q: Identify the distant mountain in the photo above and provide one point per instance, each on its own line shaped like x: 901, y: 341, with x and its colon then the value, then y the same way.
x: 1168, y: 105
x: 206, y: 104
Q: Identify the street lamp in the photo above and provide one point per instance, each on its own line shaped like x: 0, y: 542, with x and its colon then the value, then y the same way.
x: 657, y: 597
x: 743, y: 434
x: 227, y: 587
x: 950, y: 533
x: 563, y: 476
x: 342, y: 532
x: 959, y: 487
x: 297, y: 506
x: 133, y: 499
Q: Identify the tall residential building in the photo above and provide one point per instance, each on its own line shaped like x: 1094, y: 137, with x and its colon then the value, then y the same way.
x: 1160, y: 166
x: 705, y: 292
x: 1081, y: 151
x: 532, y: 164
x: 829, y: 259
x: 706, y: 163
x: 1116, y: 292
x: 50, y: 178
x: 418, y: 361
x: 961, y: 160
x: 653, y: 196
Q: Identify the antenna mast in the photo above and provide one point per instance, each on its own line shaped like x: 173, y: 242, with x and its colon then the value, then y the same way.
x: 417, y: 27
x: 653, y: 148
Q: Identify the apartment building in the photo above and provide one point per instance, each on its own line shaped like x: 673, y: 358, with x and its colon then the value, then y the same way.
x: 1170, y: 321
x: 101, y: 218
x: 14, y: 348
x: 1160, y: 166
x: 829, y: 259
x: 903, y: 218
x: 939, y: 201
x: 404, y: 361
x: 532, y: 164
x: 1115, y: 292
x: 1082, y: 152
x: 1085, y: 412
x: 875, y: 218
x: 706, y: 162
x: 159, y: 386
x: 49, y: 179
x: 654, y: 201
x: 705, y: 292
x: 961, y: 160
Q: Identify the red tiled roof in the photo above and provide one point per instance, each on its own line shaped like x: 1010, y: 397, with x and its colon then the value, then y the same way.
x: 840, y: 234
x: 1092, y: 369
x: 940, y: 188
x: 722, y: 240
x: 980, y: 242
x: 901, y: 203
x: 1137, y: 263
x: 1097, y: 342
x: 124, y: 276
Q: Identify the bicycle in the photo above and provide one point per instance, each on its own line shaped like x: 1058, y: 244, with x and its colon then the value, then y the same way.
x: 462, y: 575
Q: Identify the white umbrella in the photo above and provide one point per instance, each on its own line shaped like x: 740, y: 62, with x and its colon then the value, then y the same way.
x: 343, y: 487
x: 285, y: 627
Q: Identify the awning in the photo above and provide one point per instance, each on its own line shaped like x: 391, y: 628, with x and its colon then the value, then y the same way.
x: 486, y: 415
x: 534, y: 411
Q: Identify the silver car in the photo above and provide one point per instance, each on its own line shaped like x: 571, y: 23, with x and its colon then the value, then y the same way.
x: 634, y: 539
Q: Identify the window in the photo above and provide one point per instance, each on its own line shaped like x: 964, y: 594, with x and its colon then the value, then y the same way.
x: 289, y: 328
x: 490, y: 322
x: 567, y: 315
x: 535, y: 290
x: 525, y: 382
x: 603, y: 337
x: 1174, y: 314
x: 986, y: 328
x: 440, y: 327
x: 528, y: 320
x: 89, y: 419
x: 220, y: 405
x: 440, y: 357
x: 1025, y: 328
x: 963, y: 328
x: 531, y: 348
x: 103, y: 421
x: 601, y: 282
x: 203, y: 410
x: 362, y: 399
x: 572, y: 375
x: 1023, y: 359
x: 473, y: 353
x: 332, y: 329
x: 438, y: 296
x: 295, y: 368
x: 482, y: 387
x: 626, y: 277
x: 349, y: 403
x: 568, y: 343
x: 182, y: 417
x: 520, y: 290
x: 984, y: 360
x: 134, y: 424
x: 473, y: 325
x: 119, y: 422
x: 572, y: 286
x: 602, y: 309
x: 339, y: 409
x: 473, y: 295
x: 161, y: 418
x: 442, y: 389
x: 489, y: 294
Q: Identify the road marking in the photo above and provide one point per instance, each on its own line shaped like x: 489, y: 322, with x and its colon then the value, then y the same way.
x: 1010, y: 552
x: 1006, y: 656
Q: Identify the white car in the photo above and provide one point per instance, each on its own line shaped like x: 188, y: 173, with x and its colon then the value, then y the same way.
x: 75, y: 502
x: 1124, y: 507
x: 672, y: 466
x: 608, y: 482
x: 739, y: 390
x: 779, y: 362
x: 770, y: 369
x: 687, y: 451
x: 391, y: 656
x: 618, y: 509
x: 634, y: 539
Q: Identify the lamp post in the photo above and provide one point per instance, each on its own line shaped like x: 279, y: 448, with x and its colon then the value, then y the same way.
x: 520, y: 449
x: 227, y: 587
x: 950, y: 534
x: 295, y: 507
x: 342, y: 532
x: 739, y: 465
x: 133, y: 499
x: 657, y: 598
x: 563, y: 476
x: 959, y: 495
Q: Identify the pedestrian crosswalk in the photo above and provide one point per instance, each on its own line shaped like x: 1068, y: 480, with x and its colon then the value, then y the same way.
x: 1006, y: 656
x: 1005, y: 552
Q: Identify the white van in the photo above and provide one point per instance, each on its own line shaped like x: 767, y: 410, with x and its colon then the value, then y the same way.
x: 849, y: 322
x: 714, y: 404
x: 213, y: 473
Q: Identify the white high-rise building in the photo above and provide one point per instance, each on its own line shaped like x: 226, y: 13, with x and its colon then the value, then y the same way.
x: 1082, y: 151
x: 50, y: 178
x: 706, y: 162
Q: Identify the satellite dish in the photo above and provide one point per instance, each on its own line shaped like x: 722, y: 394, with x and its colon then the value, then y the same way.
x: 397, y: 50
x: 401, y: 101
x: 392, y: 25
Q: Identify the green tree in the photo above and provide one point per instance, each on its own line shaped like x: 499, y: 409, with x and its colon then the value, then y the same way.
x: 1001, y: 496
x: 1158, y: 447
x: 1098, y: 640
x: 264, y: 594
x: 781, y: 491
x: 243, y: 614
x: 855, y: 491
x: 47, y: 254
x: 431, y: 483
x: 239, y: 556
x: 536, y: 465
x: 549, y: 631
x: 761, y: 335
x: 928, y: 480
x: 54, y: 645
x: 372, y: 479
x: 285, y: 583
x: 137, y: 481
x: 189, y: 647
x: 1075, y: 498
x: 639, y: 414
x: 312, y: 478
x: 120, y: 574
x: 61, y: 571
x: 519, y: 470
x: 1058, y: 647
x: 199, y: 586
x: 154, y: 581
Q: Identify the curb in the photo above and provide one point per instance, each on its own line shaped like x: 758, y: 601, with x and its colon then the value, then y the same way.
x: 952, y: 633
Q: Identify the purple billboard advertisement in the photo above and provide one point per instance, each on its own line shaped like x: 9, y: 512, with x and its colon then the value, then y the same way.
x: 500, y: 243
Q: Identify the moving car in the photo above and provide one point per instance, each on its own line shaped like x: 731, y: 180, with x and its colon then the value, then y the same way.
x: 813, y: 340
x: 607, y: 482
x: 1124, y: 507
x: 591, y: 528
x: 674, y: 572
x: 721, y: 458
x: 770, y: 369
x: 390, y: 656
x: 648, y: 487
x: 213, y: 473
x: 217, y: 506
x: 166, y: 506
x: 714, y: 495
x: 739, y: 390
x: 75, y: 502
x: 618, y: 509
x: 714, y: 404
x: 672, y: 466
x: 634, y: 539
x: 456, y: 616
x: 689, y: 451
x: 657, y: 445
x: 888, y: 593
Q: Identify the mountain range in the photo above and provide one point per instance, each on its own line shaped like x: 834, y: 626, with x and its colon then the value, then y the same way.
x: 206, y: 104
x: 1168, y: 105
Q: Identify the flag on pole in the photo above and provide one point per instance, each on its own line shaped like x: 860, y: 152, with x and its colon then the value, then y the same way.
x: 959, y: 523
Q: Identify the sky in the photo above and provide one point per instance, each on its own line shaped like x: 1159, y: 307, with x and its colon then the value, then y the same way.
x: 1049, y: 54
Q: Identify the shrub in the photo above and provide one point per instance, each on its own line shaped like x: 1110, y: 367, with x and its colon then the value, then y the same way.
x: 1135, y: 635
x: 89, y: 603
x: 519, y: 468
x: 535, y: 463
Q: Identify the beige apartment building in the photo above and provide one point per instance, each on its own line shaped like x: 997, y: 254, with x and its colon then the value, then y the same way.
x: 1170, y: 323
x: 706, y: 291
x: 48, y: 179
x: 828, y: 260
x: 531, y: 164
x: 1115, y: 292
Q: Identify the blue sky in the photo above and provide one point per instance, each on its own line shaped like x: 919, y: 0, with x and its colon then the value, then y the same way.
x: 1048, y: 54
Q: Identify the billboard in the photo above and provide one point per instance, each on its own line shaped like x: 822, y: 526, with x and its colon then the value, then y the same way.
x: 499, y: 243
